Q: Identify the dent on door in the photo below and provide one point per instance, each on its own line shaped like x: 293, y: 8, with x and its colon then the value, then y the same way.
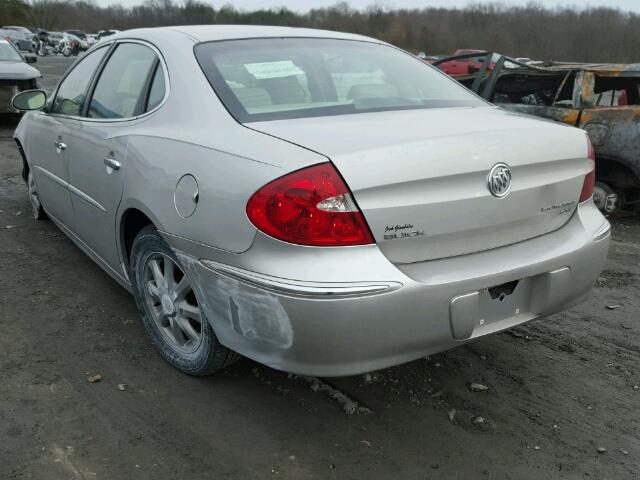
x: 96, y: 166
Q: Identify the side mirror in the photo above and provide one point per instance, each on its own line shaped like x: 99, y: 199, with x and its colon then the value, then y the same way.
x: 31, y: 58
x: 29, y: 100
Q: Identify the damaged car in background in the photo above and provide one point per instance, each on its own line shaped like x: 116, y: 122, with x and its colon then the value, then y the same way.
x: 323, y: 203
x: 15, y: 74
x: 603, y: 99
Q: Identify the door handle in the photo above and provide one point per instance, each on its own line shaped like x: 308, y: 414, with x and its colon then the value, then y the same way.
x: 112, y: 163
x: 60, y: 146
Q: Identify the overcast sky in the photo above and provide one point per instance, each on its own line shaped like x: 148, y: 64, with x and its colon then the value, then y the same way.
x: 303, y: 5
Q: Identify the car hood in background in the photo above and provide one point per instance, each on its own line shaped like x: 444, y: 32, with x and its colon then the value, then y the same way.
x: 17, y: 71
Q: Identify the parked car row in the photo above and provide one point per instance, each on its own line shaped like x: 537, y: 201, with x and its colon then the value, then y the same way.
x: 21, y: 37
x: 28, y: 39
x: 60, y: 43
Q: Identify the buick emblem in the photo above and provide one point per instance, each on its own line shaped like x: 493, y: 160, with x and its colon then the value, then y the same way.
x: 499, y: 180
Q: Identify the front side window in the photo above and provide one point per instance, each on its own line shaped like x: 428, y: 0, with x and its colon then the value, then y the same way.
x: 73, y: 89
x: 119, y: 92
x: 271, y: 79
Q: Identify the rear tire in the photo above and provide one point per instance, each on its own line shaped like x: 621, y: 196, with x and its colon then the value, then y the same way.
x: 605, y: 198
x: 170, y: 312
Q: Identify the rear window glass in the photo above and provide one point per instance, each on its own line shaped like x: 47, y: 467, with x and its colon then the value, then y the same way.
x: 272, y: 79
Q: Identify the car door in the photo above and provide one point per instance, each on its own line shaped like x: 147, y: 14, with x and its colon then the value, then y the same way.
x: 611, y: 117
x: 97, y: 148
x: 48, y: 161
x: 48, y: 135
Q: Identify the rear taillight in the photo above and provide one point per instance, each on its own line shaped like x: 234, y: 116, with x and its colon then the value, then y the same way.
x: 590, y: 178
x: 312, y: 206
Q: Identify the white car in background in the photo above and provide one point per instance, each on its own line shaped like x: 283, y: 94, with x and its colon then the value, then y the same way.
x: 70, y: 37
x: 15, y: 74
x: 80, y: 36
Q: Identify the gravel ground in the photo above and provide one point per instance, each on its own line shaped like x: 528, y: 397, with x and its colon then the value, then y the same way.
x: 559, y: 389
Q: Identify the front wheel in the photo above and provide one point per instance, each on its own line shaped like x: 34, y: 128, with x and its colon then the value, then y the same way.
x: 170, y: 310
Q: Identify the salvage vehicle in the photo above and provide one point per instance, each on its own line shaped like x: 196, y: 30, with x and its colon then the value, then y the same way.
x: 323, y: 203
x: 462, y: 62
x: 80, y: 37
x: 603, y: 99
x: 22, y: 37
x: 15, y: 74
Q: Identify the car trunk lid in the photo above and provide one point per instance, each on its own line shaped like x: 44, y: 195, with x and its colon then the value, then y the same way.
x: 420, y: 176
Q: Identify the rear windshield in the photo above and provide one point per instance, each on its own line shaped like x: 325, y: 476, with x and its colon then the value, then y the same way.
x: 273, y: 79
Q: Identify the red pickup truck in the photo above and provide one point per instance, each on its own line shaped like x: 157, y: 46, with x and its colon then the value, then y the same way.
x: 466, y: 65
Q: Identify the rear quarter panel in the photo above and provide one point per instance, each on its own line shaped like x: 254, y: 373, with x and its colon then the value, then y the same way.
x: 225, y: 182
x: 192, y: 133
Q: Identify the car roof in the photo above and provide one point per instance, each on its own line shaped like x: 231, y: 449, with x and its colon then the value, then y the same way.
x: 597, y: 67
x: 610, y: 68
x: 208, y: 33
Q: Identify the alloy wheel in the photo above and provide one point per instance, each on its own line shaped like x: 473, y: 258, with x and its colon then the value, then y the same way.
x: 172, y: 303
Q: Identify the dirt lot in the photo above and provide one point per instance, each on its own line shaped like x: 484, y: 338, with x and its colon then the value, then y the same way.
x: 559, y: 389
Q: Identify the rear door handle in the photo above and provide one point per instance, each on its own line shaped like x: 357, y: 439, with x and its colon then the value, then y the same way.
x: 112, y: 163
x: 60, y: 146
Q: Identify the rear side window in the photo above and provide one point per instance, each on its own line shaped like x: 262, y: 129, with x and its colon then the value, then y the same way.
x: 73, y: 89
x: 272, y: 79
x: 536, y: 88
x: 157, y: 91
x: 616, y: 91
x: 119, y: 92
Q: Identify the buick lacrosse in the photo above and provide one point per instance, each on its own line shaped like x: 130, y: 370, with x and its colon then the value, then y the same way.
x: 323, y: 203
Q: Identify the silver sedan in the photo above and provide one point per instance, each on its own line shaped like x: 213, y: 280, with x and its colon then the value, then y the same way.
x: 320, y: 202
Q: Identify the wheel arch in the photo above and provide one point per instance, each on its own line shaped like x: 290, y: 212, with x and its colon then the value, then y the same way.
x: 25, y: 163
x: 617, y: 172
x: 132, y: 219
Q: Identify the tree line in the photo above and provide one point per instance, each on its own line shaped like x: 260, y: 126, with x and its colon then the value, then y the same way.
x: 563, y: 33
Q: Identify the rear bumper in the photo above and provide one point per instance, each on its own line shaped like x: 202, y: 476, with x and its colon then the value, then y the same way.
x: 357, y: 313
